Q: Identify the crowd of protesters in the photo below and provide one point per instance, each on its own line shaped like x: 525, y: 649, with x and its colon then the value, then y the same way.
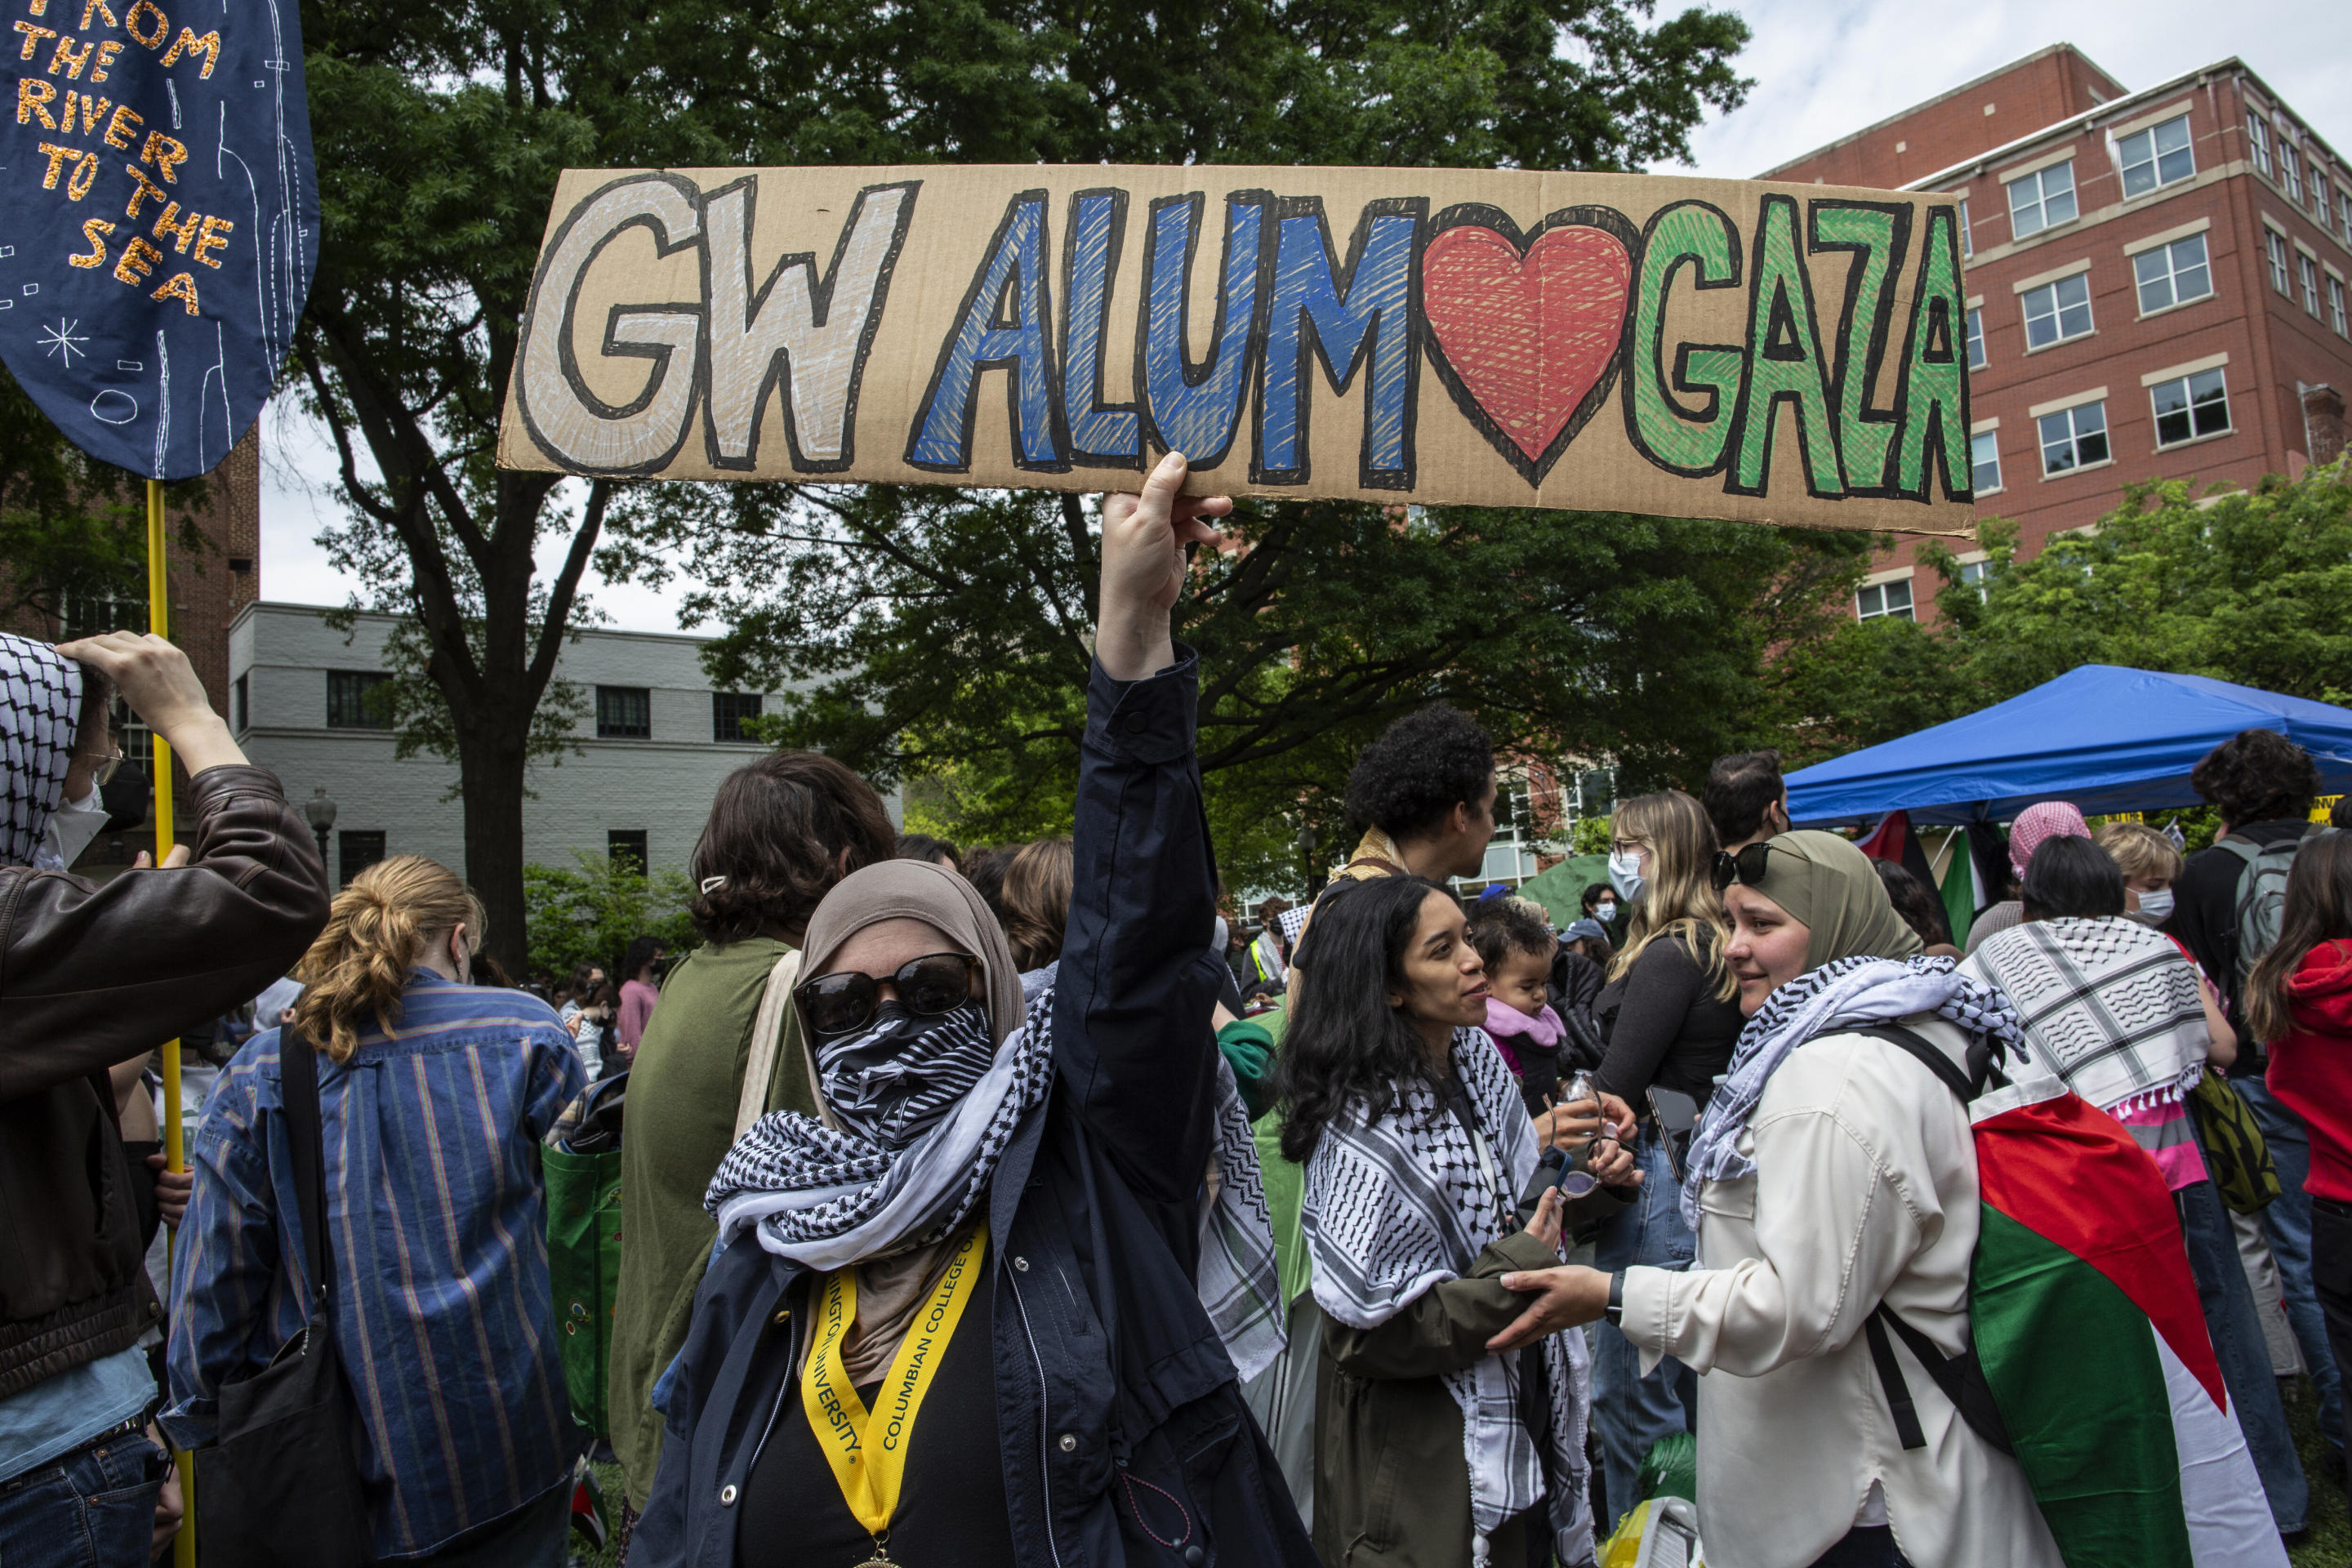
x: 1022, y: 1205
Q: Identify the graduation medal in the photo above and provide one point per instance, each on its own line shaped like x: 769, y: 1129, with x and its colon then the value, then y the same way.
x: 867, y: 1449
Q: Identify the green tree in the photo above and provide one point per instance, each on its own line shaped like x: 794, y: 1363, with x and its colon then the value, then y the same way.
x: 943, y: 637
x: 73, y: 531
x: 589, y: 911
x: 440, y: 131
x: 2251, y: 586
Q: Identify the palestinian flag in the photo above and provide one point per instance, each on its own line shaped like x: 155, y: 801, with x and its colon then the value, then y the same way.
x: 1962, y: 902
x: 2090, y: 1336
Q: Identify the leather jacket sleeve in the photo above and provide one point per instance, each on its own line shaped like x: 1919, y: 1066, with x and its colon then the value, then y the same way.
x: 93, y: 976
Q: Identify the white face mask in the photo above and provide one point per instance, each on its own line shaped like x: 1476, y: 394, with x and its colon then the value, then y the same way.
x: 2155, y: 908
x: 1625, y: 873
x: 71, y: 827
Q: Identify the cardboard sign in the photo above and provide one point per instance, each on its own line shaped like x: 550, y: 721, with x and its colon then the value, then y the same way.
x: 1695, y: 348
x: 162, y: 220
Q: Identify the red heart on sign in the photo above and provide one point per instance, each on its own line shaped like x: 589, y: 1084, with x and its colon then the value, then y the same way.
x: 1527, y: 335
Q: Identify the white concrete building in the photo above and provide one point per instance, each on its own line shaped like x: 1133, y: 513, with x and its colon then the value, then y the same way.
x: 653, y: 746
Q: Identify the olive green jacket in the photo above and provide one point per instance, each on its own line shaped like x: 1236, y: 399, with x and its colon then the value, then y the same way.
x: 1391, y: 1483
x: 679, y: 1123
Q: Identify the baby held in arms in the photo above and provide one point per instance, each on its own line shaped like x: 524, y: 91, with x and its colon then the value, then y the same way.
x: 1514, y: 938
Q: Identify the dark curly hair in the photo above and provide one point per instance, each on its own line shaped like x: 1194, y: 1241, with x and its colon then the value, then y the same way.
x: 1421, y: 767
x: 782, y: 832
x: 2257, y: 775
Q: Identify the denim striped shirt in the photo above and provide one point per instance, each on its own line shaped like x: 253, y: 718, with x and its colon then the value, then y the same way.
x: 437, y: 1217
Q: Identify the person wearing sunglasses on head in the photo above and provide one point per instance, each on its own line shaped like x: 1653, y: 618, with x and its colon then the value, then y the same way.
x: 1832, y: 1174
x: 982, y: 1307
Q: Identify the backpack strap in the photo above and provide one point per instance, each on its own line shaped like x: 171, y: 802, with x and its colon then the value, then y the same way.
x: 1962, y: 1376
x: 1965, y: 1085
x: 1890, y: 1378
x: 770, y: 1028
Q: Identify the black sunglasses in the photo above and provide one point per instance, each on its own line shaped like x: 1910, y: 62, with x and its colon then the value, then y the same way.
x: 1745, y: 866
x: 931, y: 985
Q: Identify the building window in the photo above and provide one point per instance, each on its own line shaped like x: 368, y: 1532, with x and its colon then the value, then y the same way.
x: 95, y: 615
x: 2073, y: 438
x: 1978, y: 574
x: 732, y: 713
x: 2056, y: 312
x: 2157, y: 156
x: 2319, y: 200
x: 355, y: 851
x: 2042, y: 199
x: 1967, y: 235
x: 624, y: 714
x: 1884, y: 599
x: 625, y: 849
x: 1984, y: 461
x: 2310, y: 270
x: 2274, y: 243
x: 1976, y: 337
x: 358, y: 700
x: 2257, y: 141
x: 2344, y: 213
x: 2172, y: 274
x: 2335, y: 306
x: 2190, y: 407
x: 240, y: 710
x: 2292, y: 167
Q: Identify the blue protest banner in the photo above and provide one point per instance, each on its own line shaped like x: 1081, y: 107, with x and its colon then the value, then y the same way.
x: 162, y: 219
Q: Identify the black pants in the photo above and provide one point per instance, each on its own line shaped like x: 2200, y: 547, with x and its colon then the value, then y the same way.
x: 2331, y: 1272
x: 1864, y: 1546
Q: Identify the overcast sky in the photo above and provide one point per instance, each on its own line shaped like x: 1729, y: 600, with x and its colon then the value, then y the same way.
x: 1822, y: 68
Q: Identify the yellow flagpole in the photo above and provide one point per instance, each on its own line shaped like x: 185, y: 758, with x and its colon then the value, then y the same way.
x: 159, y: 621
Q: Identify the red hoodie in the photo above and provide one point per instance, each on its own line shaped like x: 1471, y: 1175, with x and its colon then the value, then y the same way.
x: 2311, y: 1069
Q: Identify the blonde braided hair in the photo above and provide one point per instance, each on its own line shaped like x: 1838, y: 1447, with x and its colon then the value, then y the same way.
x: 378, y: 929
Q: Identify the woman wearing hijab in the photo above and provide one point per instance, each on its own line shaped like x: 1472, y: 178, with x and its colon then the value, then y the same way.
x: 984, y: 1308
x: 1825, y: 1180
x: 2120, y: 1013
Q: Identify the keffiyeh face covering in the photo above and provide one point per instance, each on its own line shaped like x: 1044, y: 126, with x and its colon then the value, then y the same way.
x: 40, y: 708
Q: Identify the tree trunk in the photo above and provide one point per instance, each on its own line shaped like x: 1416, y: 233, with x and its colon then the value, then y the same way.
x: 491, y: 758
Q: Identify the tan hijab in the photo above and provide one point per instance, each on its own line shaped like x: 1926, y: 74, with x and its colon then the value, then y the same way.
x: 1825, y: 882
x: 891, y: 1290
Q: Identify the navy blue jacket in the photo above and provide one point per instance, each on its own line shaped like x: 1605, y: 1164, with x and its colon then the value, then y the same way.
x: 1120, y: 1422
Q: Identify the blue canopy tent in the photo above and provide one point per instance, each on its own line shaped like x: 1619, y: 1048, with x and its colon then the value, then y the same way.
x: 2107, y: 739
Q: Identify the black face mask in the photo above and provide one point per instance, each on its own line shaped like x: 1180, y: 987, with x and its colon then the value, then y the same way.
x: 893, y: 1079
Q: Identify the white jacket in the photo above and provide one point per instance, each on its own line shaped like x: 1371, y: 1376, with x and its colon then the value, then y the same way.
x: 1866, y: 1189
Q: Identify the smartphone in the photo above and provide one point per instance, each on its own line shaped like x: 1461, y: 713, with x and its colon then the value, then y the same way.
x: 1677, y: 1115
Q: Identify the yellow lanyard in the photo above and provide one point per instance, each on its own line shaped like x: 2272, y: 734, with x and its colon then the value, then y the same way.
x: 871, y: 1478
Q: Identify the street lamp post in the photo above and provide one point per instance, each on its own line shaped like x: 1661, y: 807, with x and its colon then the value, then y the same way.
x: 1307, y: 840
x: 320, y: 812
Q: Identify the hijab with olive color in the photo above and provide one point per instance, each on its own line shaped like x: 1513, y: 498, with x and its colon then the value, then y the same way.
x: 1828, y: 886
x: 1864, y: 966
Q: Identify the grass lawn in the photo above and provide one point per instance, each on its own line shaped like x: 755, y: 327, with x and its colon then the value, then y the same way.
x: 2330, y: 1545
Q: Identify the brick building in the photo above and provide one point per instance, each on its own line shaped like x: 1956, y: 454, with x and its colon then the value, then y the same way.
x: 2158, y: 285
x: 208, y: 587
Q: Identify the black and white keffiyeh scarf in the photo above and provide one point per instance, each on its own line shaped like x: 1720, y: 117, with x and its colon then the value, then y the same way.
x: 1845, y: 992
x: 40, y: 706
x: 2114, y: 1004
x: 1403, y: 1201
x: 923, y: 1124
